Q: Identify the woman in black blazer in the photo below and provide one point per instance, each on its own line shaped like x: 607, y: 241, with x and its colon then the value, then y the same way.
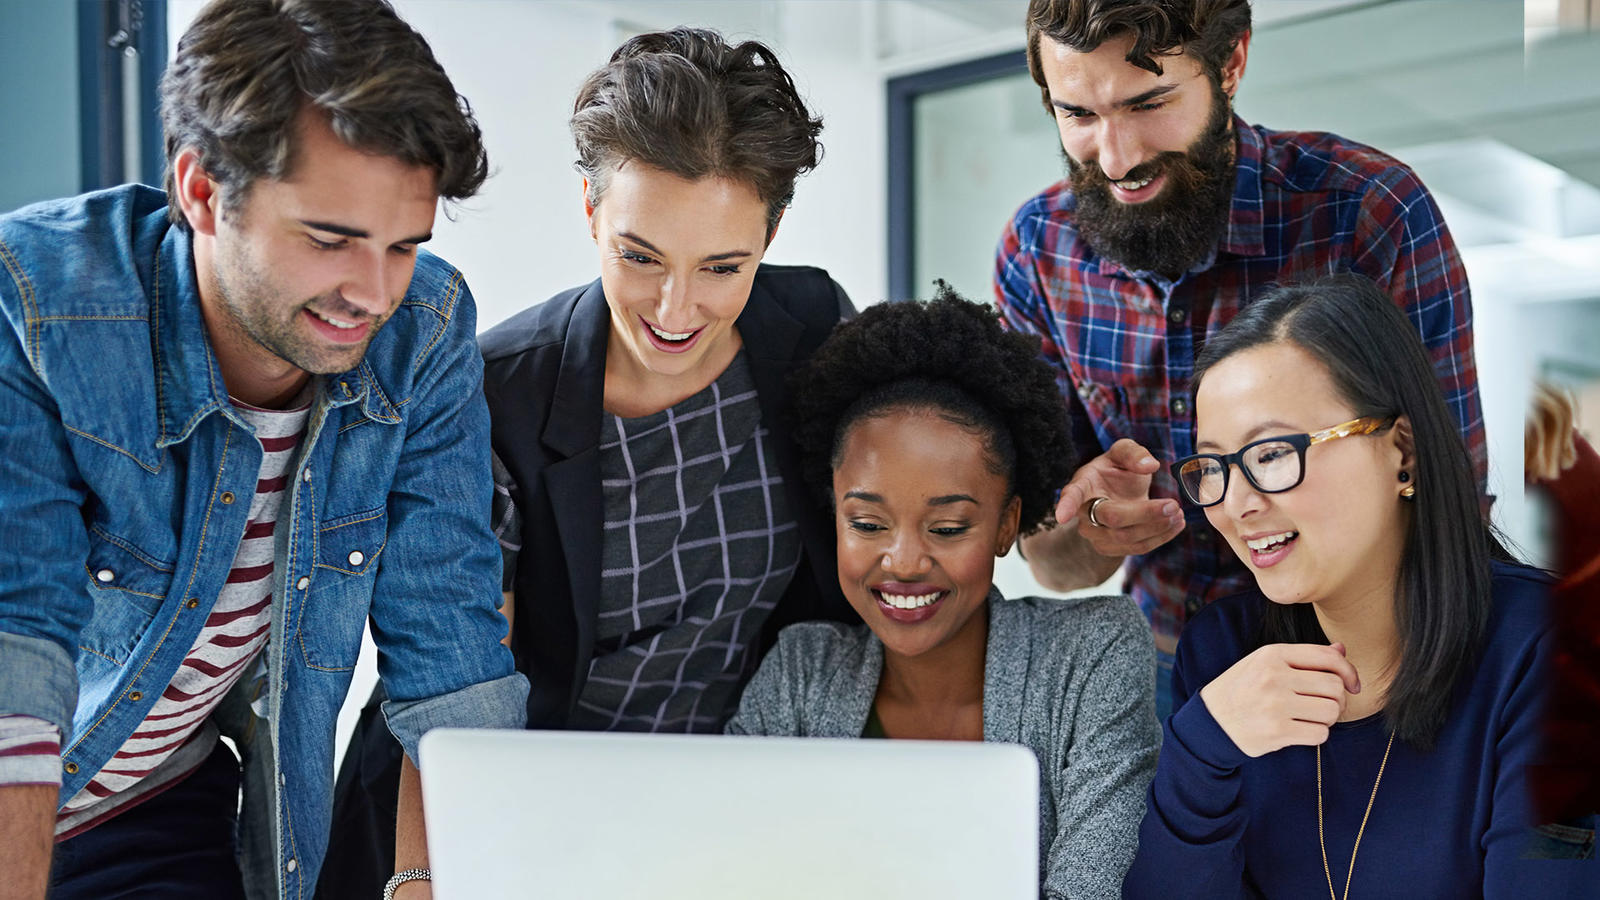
x: 658, y: 533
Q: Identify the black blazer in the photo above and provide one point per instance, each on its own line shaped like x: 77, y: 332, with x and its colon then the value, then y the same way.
x: 544, y: 376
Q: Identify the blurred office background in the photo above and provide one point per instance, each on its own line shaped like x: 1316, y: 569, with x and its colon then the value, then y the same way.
x: 934, y: 135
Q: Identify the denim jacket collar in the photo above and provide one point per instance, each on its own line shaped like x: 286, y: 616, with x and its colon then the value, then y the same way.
x: 189, y: 384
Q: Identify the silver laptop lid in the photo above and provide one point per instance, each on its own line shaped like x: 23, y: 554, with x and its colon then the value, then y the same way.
x: 574, y: 815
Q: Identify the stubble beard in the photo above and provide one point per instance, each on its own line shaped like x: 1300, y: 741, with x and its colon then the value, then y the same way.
x: 1178, y: 228
x: 252, y: 305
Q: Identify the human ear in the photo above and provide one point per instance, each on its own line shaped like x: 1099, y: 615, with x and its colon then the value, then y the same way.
x: 1404, y: 443
x: 588, y: 210
x: 199, y: 197
x: 1009, y: 517
x: 1233, y: 67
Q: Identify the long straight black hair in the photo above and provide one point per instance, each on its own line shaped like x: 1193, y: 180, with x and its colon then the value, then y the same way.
x: 1380, y: 367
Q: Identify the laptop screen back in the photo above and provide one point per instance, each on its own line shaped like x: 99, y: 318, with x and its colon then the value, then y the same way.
x: 579, y: 815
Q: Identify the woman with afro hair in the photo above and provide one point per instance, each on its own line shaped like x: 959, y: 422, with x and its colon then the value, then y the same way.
x: 935, y: 437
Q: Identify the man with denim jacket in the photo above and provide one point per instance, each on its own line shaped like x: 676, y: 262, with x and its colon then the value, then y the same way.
x: 237, y: 420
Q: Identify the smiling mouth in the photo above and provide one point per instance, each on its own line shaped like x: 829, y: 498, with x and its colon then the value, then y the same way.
x: 1132, y: 184
x: 1271, y: 542
x: 344, y: 324
x: 672, y: 337
x: 907, y: 601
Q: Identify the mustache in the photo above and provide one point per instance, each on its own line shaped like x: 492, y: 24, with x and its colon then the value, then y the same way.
x: 1091, y: 174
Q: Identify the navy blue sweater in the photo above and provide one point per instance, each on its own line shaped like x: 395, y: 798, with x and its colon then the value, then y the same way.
x: 1447, y: 823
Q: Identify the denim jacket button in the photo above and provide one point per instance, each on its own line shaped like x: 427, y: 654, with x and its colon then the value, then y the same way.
x: 291, y: 865
x: 302, y: 584
x: 356, y: 557
x: 105, y: 576
x: 71, y: 768
x: 305, y: 475
x: 227, y: 498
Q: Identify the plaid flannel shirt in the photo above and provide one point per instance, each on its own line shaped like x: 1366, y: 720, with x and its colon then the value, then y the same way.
x: 1305, y: 204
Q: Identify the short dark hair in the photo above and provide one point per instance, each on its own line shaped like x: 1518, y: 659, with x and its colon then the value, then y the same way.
x: 1204, y: 29
x: 687, y: 102
x: 948, y: 356
x: 1379, y: 366
x: 246, y: 69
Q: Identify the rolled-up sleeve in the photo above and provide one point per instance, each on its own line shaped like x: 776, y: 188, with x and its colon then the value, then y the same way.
x: 435, y: 610
x: 501, y: 703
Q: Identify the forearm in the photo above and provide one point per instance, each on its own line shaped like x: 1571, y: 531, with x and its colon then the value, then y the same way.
x: 1061, y: 560
x: 27, y: 833
x: 410, y: 833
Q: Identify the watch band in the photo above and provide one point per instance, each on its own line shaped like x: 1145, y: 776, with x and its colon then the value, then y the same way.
x: 400, y: 878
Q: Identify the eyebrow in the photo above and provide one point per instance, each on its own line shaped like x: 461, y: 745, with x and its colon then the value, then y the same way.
x: 347, y: 231
x: 1270, y: 425
x: 942, y: 500
x: 715, y: 257
x: 1146, y: 97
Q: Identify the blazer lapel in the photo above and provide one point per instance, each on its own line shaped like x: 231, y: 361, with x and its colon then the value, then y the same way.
x: 771, y: 337
x: 572, y: 434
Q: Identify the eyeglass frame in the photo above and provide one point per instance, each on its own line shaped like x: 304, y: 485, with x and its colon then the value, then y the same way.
x: 1362, y: 425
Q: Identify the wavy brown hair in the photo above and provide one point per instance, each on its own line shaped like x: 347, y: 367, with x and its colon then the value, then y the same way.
x: 246, y: 69
x: 687, y: 102
x: 1204, y: 29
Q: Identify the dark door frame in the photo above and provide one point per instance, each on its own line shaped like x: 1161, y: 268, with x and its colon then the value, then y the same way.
x: 903, y: 92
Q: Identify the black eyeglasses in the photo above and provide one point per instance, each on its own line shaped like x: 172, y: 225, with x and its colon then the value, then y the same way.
x: 1271, y: 465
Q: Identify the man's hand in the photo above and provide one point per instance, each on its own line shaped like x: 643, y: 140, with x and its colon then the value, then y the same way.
x: 27, y: 834
x: 1282, y: 695
x: 1130, y: 522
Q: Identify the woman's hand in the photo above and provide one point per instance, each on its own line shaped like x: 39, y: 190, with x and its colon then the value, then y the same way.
x: 1282, y: 695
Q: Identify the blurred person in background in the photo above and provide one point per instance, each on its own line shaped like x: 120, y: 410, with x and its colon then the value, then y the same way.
x: 1561, y: 466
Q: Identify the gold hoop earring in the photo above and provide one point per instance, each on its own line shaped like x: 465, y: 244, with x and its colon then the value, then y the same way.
x: 1409, y: 492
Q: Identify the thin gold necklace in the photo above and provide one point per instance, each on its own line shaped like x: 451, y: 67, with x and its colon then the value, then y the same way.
x: 1321, y: 842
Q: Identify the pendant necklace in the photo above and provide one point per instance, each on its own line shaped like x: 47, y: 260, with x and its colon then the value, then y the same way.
x: 1322, y: 843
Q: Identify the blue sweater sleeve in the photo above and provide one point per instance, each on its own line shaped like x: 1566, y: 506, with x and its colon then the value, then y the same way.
x: 1189, y: 840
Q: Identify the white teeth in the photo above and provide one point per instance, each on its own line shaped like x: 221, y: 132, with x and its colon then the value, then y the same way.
x: 908, y: 601
x: 1272, y: 541
x: 1134, y: 185
x: 337, y: 323
x: 671, y: 335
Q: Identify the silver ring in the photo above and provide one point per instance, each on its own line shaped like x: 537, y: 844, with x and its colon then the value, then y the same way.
x: 1094, y: 505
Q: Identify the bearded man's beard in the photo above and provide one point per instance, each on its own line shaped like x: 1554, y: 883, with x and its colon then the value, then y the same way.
x: 1177, y: 229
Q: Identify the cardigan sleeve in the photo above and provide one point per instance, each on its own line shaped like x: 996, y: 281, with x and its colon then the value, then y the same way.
x: 1194, y: 819
x: 1110, y: 757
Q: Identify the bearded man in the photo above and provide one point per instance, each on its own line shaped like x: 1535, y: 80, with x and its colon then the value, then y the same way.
x: 1174, y: 215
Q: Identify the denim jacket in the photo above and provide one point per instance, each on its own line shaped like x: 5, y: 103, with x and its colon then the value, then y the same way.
x: 120, y: 461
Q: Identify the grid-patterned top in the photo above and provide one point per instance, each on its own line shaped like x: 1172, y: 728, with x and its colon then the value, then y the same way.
x: 698, y: 545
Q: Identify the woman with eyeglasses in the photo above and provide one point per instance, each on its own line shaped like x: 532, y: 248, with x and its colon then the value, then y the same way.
x: 1362, y: 724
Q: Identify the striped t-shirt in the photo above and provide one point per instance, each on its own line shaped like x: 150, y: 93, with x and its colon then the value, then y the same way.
x: 176, y: 735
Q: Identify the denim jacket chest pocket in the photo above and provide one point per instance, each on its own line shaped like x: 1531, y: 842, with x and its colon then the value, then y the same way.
x: 128, y: 587
x: 349, y: 548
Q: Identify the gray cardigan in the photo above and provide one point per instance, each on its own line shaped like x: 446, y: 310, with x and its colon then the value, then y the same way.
x: 1073, y: 680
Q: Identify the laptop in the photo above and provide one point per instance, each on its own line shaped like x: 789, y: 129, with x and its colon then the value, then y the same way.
x: 574, y: 815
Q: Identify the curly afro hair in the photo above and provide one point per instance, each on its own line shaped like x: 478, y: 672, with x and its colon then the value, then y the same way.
x: 949, y: 356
